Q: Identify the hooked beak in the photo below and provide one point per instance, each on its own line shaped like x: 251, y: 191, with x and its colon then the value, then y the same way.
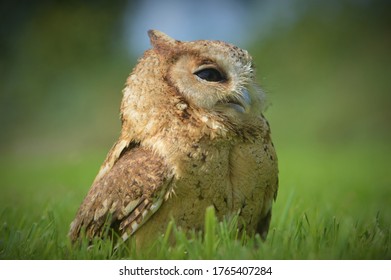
x: 240, y: 103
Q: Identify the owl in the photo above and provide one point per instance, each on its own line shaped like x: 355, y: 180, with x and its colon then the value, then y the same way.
x: 193, y: 135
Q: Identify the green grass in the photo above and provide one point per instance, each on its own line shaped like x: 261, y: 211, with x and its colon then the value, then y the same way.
x: 329, y: 206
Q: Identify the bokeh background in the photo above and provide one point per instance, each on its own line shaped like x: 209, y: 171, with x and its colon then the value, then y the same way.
x: 325, y: 66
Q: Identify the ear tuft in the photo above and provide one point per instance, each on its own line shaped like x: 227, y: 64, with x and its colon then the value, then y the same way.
x: 161, y: 41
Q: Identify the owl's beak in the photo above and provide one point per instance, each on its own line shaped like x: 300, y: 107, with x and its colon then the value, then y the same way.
x: 246, y: 99
x: 239, y: 102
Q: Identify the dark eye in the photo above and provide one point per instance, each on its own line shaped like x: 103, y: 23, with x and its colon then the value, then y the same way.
x: 210, y: 75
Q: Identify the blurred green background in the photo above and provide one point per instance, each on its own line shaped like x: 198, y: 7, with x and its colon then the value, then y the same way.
x: 325, y: 66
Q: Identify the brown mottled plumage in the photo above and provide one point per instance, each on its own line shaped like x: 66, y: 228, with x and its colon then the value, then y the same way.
x: 193, y: 135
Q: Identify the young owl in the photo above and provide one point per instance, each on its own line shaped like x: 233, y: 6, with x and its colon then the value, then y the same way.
x: 193, y: 135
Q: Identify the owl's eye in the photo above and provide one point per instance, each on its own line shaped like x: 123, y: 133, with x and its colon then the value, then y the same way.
x: 210, y: 75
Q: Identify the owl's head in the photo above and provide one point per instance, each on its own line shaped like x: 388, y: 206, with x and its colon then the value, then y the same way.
x: 212, y: 75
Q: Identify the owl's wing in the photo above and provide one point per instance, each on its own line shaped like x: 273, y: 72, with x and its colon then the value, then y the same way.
x: 125, y: 196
